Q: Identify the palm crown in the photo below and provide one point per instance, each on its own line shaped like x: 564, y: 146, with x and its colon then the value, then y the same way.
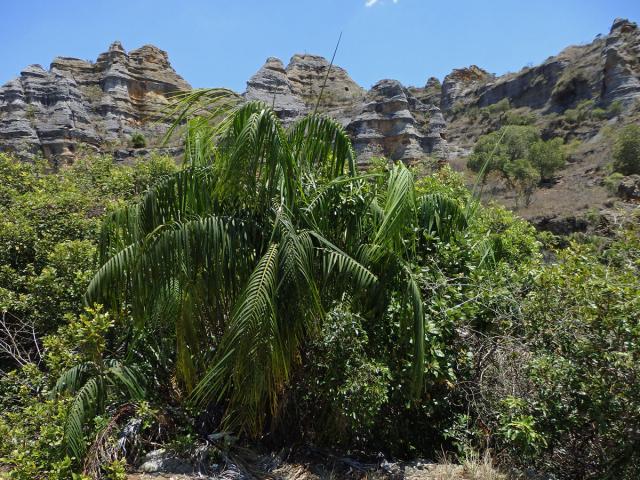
x: 262, y: 231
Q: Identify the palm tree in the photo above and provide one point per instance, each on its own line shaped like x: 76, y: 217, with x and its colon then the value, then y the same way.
x: 248, y: 245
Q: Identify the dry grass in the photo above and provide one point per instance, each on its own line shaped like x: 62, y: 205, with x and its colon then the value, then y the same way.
x: 474, y: 467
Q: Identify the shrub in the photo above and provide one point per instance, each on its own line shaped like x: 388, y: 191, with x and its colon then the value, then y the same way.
x: 599, y: 114
x: 525, y: 179
x: 626, y: 150
x: 559, y: 395
x: 512, y: 152
x: 614, y: 109
x: 517, y: 118
x: 349, y: 387
x: 32, y: 427
x: 547, y: 157
x: 138, y: 140
x: 612, y: 182
x: 500, y: 107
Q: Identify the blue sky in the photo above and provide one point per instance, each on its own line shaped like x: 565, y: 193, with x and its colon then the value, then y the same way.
x: 222, y: 43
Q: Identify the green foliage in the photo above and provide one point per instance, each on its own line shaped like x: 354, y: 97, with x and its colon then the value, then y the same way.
x: 524, y: 178
x: 612, y: 182
x: 31, y: 427
x: 49, y: 227
x: 519, y: 156
x: 626, y: 150
x: 93, y: 380
x: 287, y: 233
x: 49, y: 224
x: 340, y: 378
x: 563, y: 390
x: 546, y: 157
x: 267, y: 287
x: 586, y: 110
x: 116, y: 470
x: 518, y: 118
x: 614, y: 109
x: 138, y: 140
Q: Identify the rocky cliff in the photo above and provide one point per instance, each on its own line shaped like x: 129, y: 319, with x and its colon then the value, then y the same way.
x: 605, y: 70
x: 388, y: 120
x: 102, y: 103
x: 99, y: 104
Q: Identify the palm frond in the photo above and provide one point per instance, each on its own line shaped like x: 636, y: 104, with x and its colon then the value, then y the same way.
x: 72, y: 379
x: 88, y: 400
x: 212, y: 104
x: 399, y: 208
x: 440, y: 215
x: 129, y: 377
x: 319, y: 142
x: 251, y: 358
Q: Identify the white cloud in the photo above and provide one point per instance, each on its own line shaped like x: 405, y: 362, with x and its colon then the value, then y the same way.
x: 371, y: 3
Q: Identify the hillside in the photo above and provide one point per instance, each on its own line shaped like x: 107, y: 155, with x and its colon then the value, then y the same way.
x: 284, y: 295
x: 104, y: 103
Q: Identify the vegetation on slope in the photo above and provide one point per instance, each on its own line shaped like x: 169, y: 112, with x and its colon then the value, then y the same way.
x: 268, y: 292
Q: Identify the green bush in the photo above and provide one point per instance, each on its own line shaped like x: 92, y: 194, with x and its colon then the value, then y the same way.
x: 546, y: 157
x: 559, y: 388
x: 599, y: 114
x: 49, y: 224
x: 614, y: 109
x: 612, y: 182
x: 138, y: 140
x: 517, y: 118
x: 512, y: 152
x: 626, y: 150
x: 500, y: 107
x: 32, y: 427
x: 344, y: 389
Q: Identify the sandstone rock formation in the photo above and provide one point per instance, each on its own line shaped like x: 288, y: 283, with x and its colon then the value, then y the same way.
x: 387, y: 126
x: 387, y: 121
x: 53, y: 111
x: 101, y: 104
x: 272, y: 86
x: 621, y: 56
x: 605, y: 70
x: 307, y: 74
x: 459, y: 84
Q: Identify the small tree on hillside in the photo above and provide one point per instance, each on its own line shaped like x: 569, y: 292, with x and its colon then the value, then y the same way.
x: 524, y: 178
x: 547, y: 157
x: 520, y: 157
x: 626, y: 150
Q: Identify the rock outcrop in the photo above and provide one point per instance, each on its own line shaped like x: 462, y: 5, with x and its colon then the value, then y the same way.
x: 78, y: 102
x: 621, y: 57
x: 606, y: 70
x: 307, y: 74
x: 459, y: 84
x: 629, y: 188
x: 388, y: 121
x: 102, y: 104
x: 387, y: 125
x: 272, y: 86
